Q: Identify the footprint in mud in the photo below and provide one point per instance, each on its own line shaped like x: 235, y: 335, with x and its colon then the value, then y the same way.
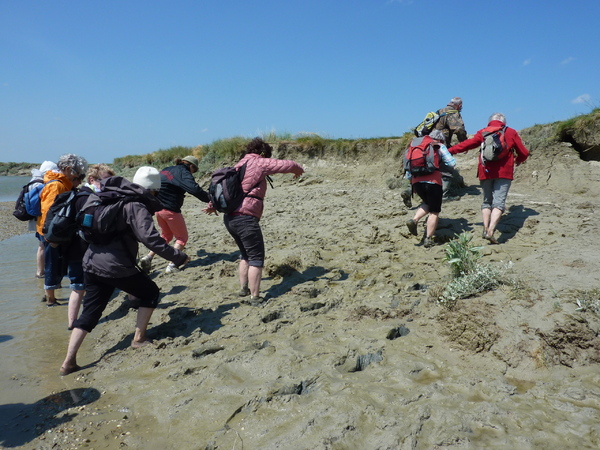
x: 397, y: 332
x: 272, y: 316
x: 365, y: 360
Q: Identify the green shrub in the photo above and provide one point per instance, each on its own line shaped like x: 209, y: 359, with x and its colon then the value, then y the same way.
x: 461, y: 255
x: 588, y: 300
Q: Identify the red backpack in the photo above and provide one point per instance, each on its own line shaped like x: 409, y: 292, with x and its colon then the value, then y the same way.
x: 421, y: 157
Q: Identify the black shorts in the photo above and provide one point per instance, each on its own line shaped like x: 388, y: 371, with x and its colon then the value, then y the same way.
x: 99, y: 290
x: 248, y: 236
x: 431, y: 194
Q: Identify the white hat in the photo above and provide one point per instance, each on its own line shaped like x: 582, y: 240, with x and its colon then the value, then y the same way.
x: 147, y: 177
x: 48, y: 165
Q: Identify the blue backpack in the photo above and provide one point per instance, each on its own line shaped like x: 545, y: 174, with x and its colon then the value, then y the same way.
x: 32, y: 200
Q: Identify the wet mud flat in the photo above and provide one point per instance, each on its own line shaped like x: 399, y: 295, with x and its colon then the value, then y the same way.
x: 351, y: 350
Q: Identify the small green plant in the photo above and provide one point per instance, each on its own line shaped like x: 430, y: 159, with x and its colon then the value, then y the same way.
x: 588, y: 300
x: 469, y: 276
x: 461, y: 255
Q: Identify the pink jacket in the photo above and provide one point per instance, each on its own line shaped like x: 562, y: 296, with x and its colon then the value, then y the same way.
x: 503, y: 168
x: 254, y: 180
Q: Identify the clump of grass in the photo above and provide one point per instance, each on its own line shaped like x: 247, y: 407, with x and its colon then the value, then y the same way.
x: 462, y: 256
x: 469, y: 276
x: 588, y: 300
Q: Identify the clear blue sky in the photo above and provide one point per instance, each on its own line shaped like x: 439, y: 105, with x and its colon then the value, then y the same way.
x: 110, y: 78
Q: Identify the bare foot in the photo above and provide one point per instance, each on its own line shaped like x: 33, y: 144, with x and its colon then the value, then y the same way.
x: 67, y: 370
x: 136, y: 344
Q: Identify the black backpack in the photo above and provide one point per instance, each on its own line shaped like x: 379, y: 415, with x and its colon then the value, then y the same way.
x: 20, y: 211
x: 225, y: 190
x: 61, y: 224
x: 98, y: 218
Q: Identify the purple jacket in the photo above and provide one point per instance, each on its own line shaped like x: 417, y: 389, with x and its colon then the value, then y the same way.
x: 256, y: 171
x: 117, y: 259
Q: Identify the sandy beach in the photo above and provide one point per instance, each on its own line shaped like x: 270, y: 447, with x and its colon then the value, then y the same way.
x: 352, y: 350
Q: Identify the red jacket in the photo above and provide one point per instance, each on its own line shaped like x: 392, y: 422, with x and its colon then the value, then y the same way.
x: 502, y: 168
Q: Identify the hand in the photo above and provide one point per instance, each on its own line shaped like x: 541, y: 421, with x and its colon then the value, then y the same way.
x: 298, y: 174
x: 210, y: 211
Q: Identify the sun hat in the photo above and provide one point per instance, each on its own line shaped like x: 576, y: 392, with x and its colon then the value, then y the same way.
x: 192, y: 160
x: 147, y: 177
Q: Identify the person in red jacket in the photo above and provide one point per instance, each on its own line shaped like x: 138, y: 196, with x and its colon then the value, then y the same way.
x: 495, y: 176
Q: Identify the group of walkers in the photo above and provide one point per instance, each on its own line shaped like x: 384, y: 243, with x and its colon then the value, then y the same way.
x: 96, y: 268
x: 495, y: 176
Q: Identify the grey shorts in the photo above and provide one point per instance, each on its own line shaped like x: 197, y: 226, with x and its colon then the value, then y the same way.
x: 495, y: 192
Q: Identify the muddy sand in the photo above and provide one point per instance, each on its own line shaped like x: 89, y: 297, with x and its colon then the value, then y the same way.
x: 352, y: 351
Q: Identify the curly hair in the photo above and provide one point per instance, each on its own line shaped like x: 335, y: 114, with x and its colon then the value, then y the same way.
x: 100, y: 171
x: 260, y: 147
x: 77, y: 164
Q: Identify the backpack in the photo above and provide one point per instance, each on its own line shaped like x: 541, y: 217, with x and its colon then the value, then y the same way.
x: 61, y: 224
x: 225, y: 190
x: 33, y: 204
x: 20, y: 211
x: 429, y: 122
x: 420, y: 157
x: 494, y: 145
x: 98, y: 220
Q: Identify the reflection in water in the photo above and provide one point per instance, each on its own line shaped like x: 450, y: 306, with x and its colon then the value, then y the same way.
x: 21, y: 423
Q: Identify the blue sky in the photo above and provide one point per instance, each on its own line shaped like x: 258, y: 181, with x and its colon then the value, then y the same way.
x: 110, y: 78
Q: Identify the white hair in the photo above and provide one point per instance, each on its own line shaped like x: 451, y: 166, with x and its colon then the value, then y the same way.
x: 77, y: 164
x: 498, y: 116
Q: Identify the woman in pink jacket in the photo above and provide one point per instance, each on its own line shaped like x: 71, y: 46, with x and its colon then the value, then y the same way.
x: 243, y: 223
x: 496, y: 176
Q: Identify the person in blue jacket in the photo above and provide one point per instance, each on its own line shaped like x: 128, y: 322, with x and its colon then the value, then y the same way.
x: 175, y: 182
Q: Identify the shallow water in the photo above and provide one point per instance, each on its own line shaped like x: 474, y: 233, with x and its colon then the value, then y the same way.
x: 33, y: 337
x: 10, y: 186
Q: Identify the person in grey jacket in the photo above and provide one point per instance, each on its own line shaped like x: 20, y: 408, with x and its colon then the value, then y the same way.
x: 112, y: 265
x: 176, y: 181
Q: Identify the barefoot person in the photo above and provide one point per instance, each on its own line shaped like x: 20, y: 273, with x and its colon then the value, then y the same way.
x: 111, y: 265
x: 243, y: 224
x: 495, y: 176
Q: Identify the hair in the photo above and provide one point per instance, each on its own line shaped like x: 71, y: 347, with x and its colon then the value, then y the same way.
x: 100, y: 171
x: 455, y: 101
x: 179, y: 161
x: 260, y: 147
x: 498, y: 116
x: 77, y: 164
x: 438, y: 135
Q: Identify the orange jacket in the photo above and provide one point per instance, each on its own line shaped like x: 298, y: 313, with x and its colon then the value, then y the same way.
x: 49, y: 193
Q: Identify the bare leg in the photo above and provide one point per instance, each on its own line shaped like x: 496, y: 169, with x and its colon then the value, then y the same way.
x: 74, y: 306
x: 421, y: 212
x: 254, y: 278
x: 495, y: 216
x: 432, y: 222
x: 50, y: 297
x: 40, y: 260
x: 243, y: 272
x: 70, y: 363
x: 141, y: 324
x: 486, y: 214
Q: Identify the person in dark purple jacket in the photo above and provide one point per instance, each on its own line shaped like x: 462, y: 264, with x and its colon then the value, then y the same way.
x: 175, y: 182
x: 112, y: 265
